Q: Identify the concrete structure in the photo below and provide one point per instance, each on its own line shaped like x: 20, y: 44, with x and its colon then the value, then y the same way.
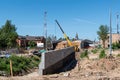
x: 115, y: 38
x: 52, y: 61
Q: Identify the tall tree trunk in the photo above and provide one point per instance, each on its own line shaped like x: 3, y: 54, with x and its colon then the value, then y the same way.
x: 103, y: 43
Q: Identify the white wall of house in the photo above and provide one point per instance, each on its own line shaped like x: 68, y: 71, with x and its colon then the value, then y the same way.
x: 40, y: 44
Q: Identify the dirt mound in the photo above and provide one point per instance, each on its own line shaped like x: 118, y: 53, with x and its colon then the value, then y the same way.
x: 102, y: 64
x: 105, y: 64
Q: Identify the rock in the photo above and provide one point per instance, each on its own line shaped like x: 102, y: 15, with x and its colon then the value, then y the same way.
x: 66, y: 74
x: 88, y: 74
x: 93, y: 56
x: 54, y: 76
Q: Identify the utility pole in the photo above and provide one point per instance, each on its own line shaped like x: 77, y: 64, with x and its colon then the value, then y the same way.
x: 45, y: 29
x: 110, y: 38
x: 117, y: 24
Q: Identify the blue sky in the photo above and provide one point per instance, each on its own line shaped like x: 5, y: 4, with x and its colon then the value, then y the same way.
x: 75, y: 16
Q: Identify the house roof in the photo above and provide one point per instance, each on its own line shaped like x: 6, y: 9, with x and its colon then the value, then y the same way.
x: 57, y: 41
x: 88, y: 41
x: 31, y: 37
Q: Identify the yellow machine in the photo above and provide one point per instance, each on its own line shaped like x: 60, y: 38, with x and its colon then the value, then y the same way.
x: 66, y: 37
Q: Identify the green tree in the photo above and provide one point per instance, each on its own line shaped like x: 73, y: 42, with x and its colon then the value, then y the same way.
x: 31, y: 43
x: 49, y: 39
x: 8, y: 35
x: 76, y: 37
x: 103, y: 33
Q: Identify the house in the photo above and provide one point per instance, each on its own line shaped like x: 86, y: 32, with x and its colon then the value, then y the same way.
x: 63, y: 44
x: 23, y: 40
x: 115, y: 38
x: 85, y: 44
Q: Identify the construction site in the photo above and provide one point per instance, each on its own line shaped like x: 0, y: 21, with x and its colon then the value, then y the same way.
x: 72, y: 60
x: 84, y: 57
x: 90, y: 67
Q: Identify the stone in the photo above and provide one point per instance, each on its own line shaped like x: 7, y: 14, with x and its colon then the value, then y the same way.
x: 66, y: 74
x: 54, y: 76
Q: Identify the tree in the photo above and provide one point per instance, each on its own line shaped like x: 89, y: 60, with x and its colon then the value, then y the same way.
x: 61, y: 38
x: 76, y: 37
x: 31, y: 43
x: 8, y: 35
x: 103, y: 33
x: 49, y: 41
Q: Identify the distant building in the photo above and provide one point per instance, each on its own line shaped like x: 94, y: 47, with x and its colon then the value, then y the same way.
x: 23, y: 40
x: 115, y: 38
x: 63, y: 44
x: 85, y: 44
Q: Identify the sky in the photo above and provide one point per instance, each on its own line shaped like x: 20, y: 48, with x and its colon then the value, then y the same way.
x: 75, y: 16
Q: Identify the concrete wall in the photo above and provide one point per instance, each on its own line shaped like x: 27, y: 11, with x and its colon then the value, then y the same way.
x: 52, y: 61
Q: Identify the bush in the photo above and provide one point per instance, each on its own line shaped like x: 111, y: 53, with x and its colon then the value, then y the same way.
x: 32, y: 44
x: 84, y: 54
x: 116, y: 45
x: 118, y: 55
x: 94, y: 51
x: 19, y: 64
x: 99, y: 46
x: 102, y: 54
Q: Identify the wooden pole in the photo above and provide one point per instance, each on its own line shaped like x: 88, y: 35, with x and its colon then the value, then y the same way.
x: 11, y: 68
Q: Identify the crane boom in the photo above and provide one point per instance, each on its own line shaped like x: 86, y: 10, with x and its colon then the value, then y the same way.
x: 69, y: 42
x: 60, y: 27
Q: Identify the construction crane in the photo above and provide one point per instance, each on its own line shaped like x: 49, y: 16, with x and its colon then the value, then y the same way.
x: 66, y: 37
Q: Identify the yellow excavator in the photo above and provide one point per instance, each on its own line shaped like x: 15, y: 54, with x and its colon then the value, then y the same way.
x: 66, y: 37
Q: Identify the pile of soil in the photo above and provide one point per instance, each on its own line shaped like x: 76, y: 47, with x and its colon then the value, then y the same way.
x: 102, y: 64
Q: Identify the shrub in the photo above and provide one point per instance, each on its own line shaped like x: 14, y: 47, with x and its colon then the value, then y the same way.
x: 31, y: 44
x: 99, y: 46
x: 94, y: 51
x: 116, y: 45
x: 118, y: 55
x: 84, y: 54
x: 19, y: 64
x: 102, y: 54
